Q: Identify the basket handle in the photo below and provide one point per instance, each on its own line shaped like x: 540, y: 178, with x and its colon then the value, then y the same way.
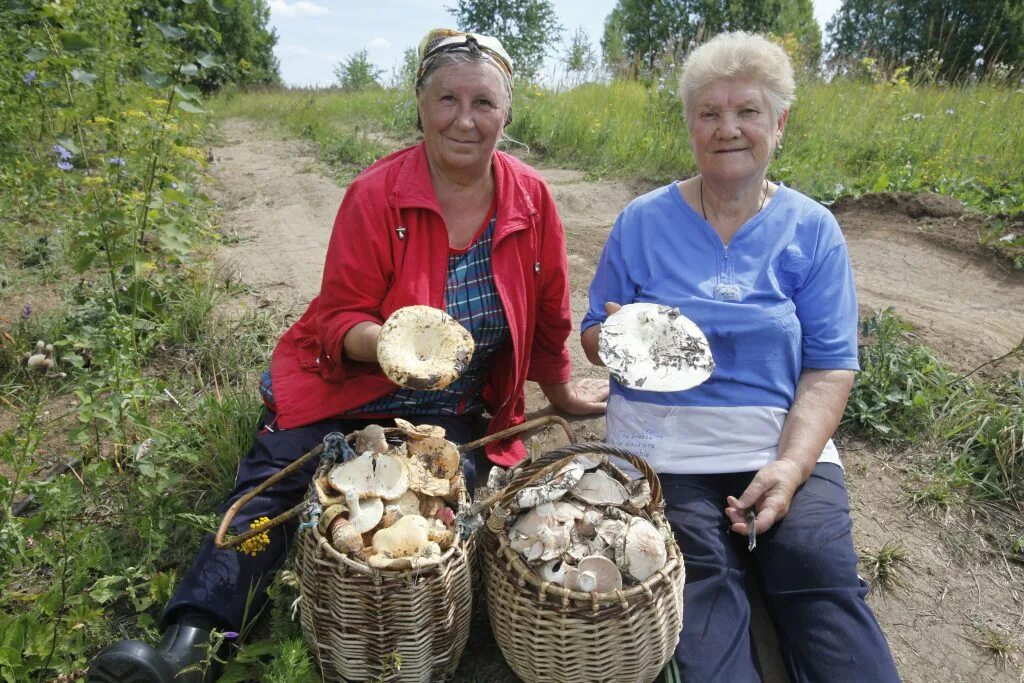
x: 511, y: 431
x: 229, y: 516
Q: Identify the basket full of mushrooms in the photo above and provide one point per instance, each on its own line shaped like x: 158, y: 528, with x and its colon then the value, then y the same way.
x: 384, y: 572
x: 584, y: 578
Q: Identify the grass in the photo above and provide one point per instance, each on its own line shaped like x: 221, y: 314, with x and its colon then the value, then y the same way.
x: 846, y: 137
x: 887, y: 567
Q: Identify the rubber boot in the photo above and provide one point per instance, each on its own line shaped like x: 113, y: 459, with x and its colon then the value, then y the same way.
x: 131, y: 661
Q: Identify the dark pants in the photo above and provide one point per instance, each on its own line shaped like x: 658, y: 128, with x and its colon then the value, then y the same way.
x: 229, y: 587
x: 807, y: 570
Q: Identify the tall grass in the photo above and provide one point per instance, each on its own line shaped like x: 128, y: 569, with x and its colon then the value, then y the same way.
x: 845, y: 137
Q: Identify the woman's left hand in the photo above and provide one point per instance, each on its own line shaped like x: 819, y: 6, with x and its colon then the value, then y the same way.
x: 583, y: 397
x: 769, y: 493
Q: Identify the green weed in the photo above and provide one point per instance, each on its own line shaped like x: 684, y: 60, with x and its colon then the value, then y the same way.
x: 887, y: 567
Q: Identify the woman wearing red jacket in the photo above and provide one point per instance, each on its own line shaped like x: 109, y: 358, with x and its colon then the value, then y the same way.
x: 451, y: 223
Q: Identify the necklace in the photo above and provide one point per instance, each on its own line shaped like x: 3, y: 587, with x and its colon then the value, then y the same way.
x: 705, y: 213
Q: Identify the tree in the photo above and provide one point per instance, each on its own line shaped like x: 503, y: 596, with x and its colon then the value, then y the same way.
x: 948, y: 38
x: 528, y: 29
x: 580, y: 57
x: 234, y: 32
x: 404, y: 78
x: 357, y: 72
x: 652, y: 33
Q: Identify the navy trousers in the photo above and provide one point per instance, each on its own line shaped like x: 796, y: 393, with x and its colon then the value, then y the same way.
x: 806, y: 567
x: 229, y: 587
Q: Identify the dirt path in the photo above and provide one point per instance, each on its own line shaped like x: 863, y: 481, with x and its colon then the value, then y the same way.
x: 280, y: 206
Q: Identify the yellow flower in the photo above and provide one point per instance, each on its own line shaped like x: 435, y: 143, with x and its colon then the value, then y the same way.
x: 193, y: 153
x: 257, y: 543
x: 136, y: 114
x: 102, y: 120
x: 94, y: 180
x: 137, y: 196
x: 158, y: 102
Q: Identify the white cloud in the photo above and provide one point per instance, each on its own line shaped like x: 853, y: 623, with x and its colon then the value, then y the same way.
x: 302, y: 8
x: 378, y: 44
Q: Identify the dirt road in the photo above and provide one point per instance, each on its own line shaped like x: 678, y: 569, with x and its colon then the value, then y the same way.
x: 923, y: 261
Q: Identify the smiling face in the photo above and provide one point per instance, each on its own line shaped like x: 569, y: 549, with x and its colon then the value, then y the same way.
x: 733, y: 131
x: 462, y: 109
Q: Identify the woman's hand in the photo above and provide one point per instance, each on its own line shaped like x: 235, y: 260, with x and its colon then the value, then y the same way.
x: 769, y: 494
x: 583, y: 397
x: 589, y: 340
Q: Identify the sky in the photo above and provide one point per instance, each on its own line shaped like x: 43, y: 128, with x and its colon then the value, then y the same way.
x: 314, y: 35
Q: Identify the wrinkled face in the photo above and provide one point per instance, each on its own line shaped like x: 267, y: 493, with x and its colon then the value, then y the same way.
x: 462, y: 108
x: 732, y: 130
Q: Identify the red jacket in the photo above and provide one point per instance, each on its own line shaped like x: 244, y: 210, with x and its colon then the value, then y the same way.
x: 389, y: 249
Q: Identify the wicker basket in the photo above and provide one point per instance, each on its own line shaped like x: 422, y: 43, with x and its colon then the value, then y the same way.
x: 550, y: 634
x: 366, y: 624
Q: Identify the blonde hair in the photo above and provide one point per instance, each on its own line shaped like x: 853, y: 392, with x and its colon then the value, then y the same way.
x: 739, y: 54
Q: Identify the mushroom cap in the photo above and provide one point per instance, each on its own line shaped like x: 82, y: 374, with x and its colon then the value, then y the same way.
x: 655, y: 348
x: 406, y: 538
x: 606, y: 575
x: 328, y: 515
x: 408, y: 503
x: 424, y: 482
x: 372, y: 476
x: 421, y: 347
x: 642, y: 549
x: 439, y: 456
x: 418, y: 431
x: 548, y: 489
x: 600, y: 488
x: 364, y: 514
x: 553, y: 571
x: 371, y: 438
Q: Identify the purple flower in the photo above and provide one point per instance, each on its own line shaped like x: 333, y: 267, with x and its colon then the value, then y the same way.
x: 230, y: 635
x: 979, y: 62
x: 979, y: 47
x: 65, y: 165
x: 26, y: 312
x: 59, y: 150
x: 116, y: 161
x: 29, y: 77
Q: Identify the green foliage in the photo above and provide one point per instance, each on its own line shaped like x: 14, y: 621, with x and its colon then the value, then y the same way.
x: 645, y: 36
x: 947, y: 39
x: 579, y: 56
x: 357, y: 72
x: 528, y: 29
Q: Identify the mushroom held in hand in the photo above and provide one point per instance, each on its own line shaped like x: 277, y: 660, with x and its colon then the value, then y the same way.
x: 654, y: 348
x: 421, y: 347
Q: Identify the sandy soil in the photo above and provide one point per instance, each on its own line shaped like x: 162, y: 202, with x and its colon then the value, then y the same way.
x: 919, y: 255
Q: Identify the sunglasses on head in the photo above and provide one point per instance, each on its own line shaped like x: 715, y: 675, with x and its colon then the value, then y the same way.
x: 488, y: 44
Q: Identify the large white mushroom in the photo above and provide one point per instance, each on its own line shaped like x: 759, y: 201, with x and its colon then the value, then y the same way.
x: 408, y: 539
x: 421, y: 347
x: 600, y: 488
x: 641, y: 550
x: 655, y: 348
x: 372, y: 476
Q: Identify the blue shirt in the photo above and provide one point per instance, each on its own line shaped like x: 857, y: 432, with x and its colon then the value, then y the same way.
x: 779, y: 298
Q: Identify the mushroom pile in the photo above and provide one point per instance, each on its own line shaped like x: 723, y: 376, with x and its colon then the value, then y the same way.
x: 391, y: 507
x: 583, y: 529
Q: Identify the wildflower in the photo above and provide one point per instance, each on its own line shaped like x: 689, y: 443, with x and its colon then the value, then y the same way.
x: 257, y: 543
x: 65, y: 165
x: 116, y: 161
x: 102, y: 120
x: 979, y: 47
x: 29, y: 77
x: 950, y: 112
x: 26, y: 312
x: 59, y: 150
x: 94, y: 180
x: 230, y: 635
x: 979, y: 62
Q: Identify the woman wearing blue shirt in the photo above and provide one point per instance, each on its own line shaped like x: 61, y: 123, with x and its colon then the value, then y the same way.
x: 764, y: 272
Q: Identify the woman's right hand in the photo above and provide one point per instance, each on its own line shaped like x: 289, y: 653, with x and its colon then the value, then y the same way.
x: 590, y: 336
x: 360, y: 342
